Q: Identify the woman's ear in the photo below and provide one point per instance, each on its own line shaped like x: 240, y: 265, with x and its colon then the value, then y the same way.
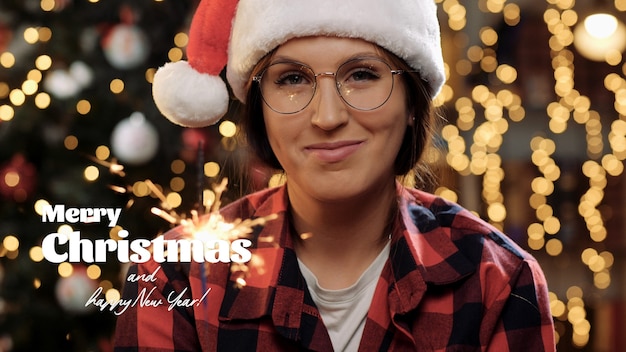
x: 411, y: 120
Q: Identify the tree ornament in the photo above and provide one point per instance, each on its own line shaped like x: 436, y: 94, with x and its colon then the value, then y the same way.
x: 61, y: 84
x: 17, y: 179
x: 126, y: 47
x: 74, y: 291
x: 81, y: 73
x: 134, y: 140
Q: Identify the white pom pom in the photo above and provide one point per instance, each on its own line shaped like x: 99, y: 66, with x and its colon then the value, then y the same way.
x: 187, y: 97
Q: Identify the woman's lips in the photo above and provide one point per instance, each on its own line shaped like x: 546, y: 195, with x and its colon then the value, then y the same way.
x: 333, y: 152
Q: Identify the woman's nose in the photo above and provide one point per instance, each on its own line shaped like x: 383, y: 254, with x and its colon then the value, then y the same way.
x: 330, y: 110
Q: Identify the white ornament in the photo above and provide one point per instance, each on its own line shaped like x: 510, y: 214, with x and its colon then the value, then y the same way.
x: 81, y: 73
x: 134, y: 140
x: 74, y: 291
x: 126, y: 47
x: 61, y: 84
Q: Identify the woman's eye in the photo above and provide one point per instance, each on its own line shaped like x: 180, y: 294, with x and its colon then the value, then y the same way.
x: 363, y: 75
x: 291, y: 79
x: 360, y: 75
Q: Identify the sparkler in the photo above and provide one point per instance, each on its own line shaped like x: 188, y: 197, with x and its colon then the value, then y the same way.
x: 212, y: 227
x: 206, y: 223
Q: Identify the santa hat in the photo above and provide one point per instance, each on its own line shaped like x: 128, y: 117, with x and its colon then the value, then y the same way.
x: 237, y: 34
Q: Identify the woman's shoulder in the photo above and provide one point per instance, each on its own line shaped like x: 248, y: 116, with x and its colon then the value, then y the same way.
x: 465, y: 228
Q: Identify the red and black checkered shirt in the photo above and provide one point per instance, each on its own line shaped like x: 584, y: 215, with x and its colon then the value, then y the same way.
x: 452, y: 283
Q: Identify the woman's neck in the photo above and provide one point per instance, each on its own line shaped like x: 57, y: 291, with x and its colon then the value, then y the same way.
x: 342, y: 238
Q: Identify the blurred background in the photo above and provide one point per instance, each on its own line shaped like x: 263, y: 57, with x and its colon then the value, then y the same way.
x: 533, y: 139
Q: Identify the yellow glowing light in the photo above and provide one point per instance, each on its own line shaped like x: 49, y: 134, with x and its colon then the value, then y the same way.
x: 43, y: 62
x: 488, y: 36
x: 70, y: 142
x: 140, y: 189
x: 174, y: 200
x: 42, y: 100
x: 175, y: 54
x: 116, y: 86
x: 177, y: 184
x: 112, y: 295
x: 601, y: 25
x: 83, y: 107
x: 65, y: 269
x: 596, y: 263
x: 31, y: 35
x: 211, y: 169
x: 535, y: 231
x: 103, y: 152
x: 11, y: 243
x: 106, y: 285
x: 536, y: 244
x: 181, y: 39
x: 94, y: 272
x: 602, y: 280
x: 587, y: 254
x: 496, y: 212
x: 17, y: 97
x: 227, y: 128
x: 601, y: 37
x: 512, y: 14
x: 39, y: 205
x: 574, y: 292
x: 91, y: 173
x: 47, y: 5
x: 7, y: 59
x: 554, y: 247
x: 29, y: 87
x: 552, y: 225
x: 45, y: 34
x: 11, y: 179
x: 608, y: 258
x: 557, y: 308
x: 4, y: 90
x: 149, y: 75
x: 36, y: 254
x: 542, y: 186
x: 177, y: 166
x: 6, y: 113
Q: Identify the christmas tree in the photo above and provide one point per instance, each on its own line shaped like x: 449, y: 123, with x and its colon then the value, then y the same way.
x: 78, y: 127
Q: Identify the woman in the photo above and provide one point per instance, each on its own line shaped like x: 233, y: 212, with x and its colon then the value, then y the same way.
x: 354, y: 260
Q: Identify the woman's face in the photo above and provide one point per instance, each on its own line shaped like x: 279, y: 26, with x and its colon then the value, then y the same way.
x: 329, y: 150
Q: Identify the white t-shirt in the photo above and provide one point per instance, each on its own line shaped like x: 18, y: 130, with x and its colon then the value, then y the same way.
x: 344, y: 311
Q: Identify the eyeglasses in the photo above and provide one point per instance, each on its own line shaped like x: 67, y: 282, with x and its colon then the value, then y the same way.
x: 288, y: 87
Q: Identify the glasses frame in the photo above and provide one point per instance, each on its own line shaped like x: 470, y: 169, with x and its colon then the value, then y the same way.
x: 257, y: 79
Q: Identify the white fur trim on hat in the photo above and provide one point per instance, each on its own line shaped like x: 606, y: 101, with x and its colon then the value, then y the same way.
x: 188, y: 98
x: 407, y: 28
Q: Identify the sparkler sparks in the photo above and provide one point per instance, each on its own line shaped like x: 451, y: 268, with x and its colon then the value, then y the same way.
x: 206, y: 225
x: 211, y: 227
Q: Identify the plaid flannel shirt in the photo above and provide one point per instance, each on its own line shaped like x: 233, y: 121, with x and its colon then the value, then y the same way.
x: 452, y: 283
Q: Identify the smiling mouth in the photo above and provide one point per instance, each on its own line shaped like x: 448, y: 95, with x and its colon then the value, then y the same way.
x: 334, y: 152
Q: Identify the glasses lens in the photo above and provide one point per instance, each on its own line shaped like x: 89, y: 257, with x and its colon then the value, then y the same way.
x: 287, y: 87
x: 365, y: 84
